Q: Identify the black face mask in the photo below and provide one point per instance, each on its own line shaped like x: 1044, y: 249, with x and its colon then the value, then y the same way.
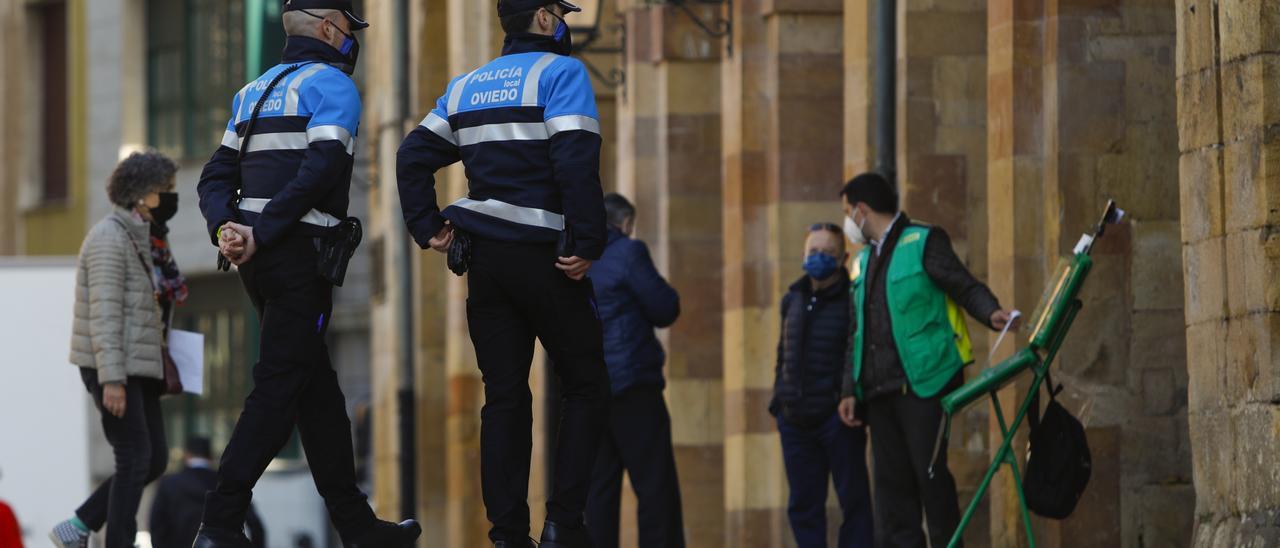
x: 167, y: 209
x: 563, y: 37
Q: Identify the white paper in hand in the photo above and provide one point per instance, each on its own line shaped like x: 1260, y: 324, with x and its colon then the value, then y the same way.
x: 187, y: 349
x: 992, y: 355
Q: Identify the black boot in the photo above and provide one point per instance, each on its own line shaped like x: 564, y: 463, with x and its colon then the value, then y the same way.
x: 385, y: 534
x: 218, y: 537
x: 559, y: 536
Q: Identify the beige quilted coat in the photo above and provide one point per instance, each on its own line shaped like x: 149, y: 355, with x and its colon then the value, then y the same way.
x: 117, y: 328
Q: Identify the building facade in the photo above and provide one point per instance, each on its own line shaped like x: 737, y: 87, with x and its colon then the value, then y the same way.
x: 1016, y: 122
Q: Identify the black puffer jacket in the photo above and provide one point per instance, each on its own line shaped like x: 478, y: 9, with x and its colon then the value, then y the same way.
x: 811, y: 351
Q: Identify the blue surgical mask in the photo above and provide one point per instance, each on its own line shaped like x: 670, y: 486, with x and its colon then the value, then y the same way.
x: 820, y: 266
x: 563, y: 38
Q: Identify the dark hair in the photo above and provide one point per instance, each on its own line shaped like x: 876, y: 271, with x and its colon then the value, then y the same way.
x: 617, y: 209
x: 139, y: 175
x: 832, y: 228
x: 873, y: 189
x: 199, y: 446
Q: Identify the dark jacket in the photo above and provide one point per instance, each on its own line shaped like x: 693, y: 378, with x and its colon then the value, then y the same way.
x: 882, y: 371
x: 811, y: 349
x: 526, y: 129
x: 296, y: 173
x: 633, y: 299
x: 179, y: 506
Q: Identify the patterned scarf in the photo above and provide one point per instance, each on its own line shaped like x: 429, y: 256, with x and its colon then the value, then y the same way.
x: 171, y: 284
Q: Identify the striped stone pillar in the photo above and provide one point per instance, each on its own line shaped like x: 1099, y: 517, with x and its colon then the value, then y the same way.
x: 783, y: 87
x: 942, y: 170
x: 1015, y: 167
x: 478, y: 40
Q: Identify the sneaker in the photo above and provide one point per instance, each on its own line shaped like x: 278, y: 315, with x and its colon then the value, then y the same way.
x: 67, y: 535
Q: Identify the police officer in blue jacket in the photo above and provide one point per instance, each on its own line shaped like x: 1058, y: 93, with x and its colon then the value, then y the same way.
x: 526, y: 129
x: 273, y: 194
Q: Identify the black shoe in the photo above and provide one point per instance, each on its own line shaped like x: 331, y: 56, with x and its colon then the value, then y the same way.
x: 558, y: 536
x: 516, y: 544
x: 218, y: 537
x: 385, y: 534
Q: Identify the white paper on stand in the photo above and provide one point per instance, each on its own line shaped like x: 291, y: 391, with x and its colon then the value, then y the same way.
x: 187, y: 349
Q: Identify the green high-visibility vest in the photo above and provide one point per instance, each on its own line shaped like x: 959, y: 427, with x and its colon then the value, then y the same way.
x: 928, y: 327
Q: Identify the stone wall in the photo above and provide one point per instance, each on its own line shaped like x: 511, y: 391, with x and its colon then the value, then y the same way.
x: 1227, y: 88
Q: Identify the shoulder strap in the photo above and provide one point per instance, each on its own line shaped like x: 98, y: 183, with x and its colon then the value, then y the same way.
x: 257, y: 108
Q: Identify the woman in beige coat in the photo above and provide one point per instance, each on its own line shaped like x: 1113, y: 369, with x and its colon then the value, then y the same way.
x: 125, y: 285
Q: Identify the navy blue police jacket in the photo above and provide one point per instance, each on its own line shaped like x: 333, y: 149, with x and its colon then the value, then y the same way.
x: 526, y: 130
x: 296, y: 174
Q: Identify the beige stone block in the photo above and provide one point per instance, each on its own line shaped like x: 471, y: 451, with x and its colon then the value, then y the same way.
x: 750, y: 347
x: 1143, y: 177
x: 692, y: 87
x: 806, y: 34
x: 1198, y: 122
x: 960, y: 82
x: 1248, y: 27
x: 1206, y: 365
x: 697, y: 411
x: 1200, y: 174
x: 1157, y: 266
x: 945, y: 33
x: 754, y: 476
x: 1257, y: 462
x: 1248, y: 274
x: 1213, y: 459
x: 1252, y: 170
x: 1194, y: 19
x: 1205, y: 280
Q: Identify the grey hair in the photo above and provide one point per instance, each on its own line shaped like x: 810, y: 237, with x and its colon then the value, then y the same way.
x: 139, y: 175
x: 297, y: 23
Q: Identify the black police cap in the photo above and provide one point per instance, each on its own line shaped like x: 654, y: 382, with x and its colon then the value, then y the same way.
x: 343, y: 6
x: 512, y: 7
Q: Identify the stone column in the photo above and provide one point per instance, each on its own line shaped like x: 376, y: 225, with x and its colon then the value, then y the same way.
x: 783, y: 168
x: 1110, y: 134
x: 942, y: 172
x: 1227, y: 86
x: 1015, y: 166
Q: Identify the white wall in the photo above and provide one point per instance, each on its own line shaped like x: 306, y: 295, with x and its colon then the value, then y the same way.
x: 44, y: 410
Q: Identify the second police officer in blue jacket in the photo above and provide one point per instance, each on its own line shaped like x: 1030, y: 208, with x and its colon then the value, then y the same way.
x: 526, y: 129
x: 274, y: 195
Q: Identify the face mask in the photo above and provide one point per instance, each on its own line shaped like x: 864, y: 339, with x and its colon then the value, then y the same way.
x: 167, y: 209
x: 853, y: 231
x: 350, y: 47
x: 351, y: 50
x: 820, y: 266
x: 563, y: 37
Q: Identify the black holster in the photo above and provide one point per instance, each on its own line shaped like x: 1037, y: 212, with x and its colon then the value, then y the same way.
x: 337, y: 248
x: 459, y: 257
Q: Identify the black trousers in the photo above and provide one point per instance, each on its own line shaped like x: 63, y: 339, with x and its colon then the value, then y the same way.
x: 637, y: 439
x: 516, y: 295
x: 294, y: 384
x: 141, y: 453
x: 904, y: 429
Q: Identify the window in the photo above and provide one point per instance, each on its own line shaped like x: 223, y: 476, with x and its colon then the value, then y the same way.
x: 195, y: 64
x: 53, y: 106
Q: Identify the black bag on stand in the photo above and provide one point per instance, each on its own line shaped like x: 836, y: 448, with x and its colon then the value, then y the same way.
x: 1058, y: 461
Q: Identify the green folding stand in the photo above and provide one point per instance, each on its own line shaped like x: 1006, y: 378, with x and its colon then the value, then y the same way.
x: 1050, y: 324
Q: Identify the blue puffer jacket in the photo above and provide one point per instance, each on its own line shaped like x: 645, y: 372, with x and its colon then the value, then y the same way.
x: 633, y: 299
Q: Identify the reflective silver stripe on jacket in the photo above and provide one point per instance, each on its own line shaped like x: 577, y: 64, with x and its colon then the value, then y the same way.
x: 231, y: 140
x: 502, y: 132
x: 529, y: 96
x: 297, y: 140
x: 573, y: 122
x: 313, y: 217
x: 291, y: 95
x: 520, y: 215
x: 439, y: 126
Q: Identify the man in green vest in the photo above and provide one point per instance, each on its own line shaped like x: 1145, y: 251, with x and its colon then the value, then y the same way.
x: 907, y: 349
